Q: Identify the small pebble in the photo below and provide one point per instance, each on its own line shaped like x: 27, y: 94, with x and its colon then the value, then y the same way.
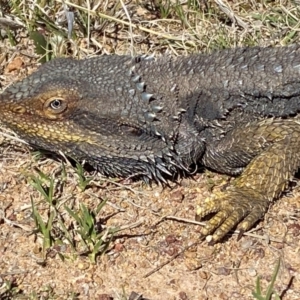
x: 252, y: 272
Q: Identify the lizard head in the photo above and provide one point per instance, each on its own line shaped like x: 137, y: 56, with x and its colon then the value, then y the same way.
x: 41, y: 111
x: 59, y: 109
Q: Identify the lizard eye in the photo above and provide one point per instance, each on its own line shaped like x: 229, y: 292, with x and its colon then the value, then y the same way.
x: 56, y: 105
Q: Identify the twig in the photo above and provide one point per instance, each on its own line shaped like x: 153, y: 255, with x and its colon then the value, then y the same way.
x: 229, y: 12
x: 171, y: 259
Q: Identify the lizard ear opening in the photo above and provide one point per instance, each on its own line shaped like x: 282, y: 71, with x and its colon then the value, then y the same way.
x: 55, y: 106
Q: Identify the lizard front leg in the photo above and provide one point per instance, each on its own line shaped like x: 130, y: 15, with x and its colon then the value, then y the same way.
x: 271, y: 151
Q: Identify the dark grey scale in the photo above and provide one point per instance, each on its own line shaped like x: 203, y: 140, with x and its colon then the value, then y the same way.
x: 162, y: 167
x: 146, y: 96
x: 174, y: 116
x: 156, y: 108
x: 140, y: 86
x: 150, y: 112
x: 136, y: 78
x: 149, y: 116
x: 131, y: 92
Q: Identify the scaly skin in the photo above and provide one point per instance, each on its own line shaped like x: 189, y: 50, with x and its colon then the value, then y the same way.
x: 234, y: 111
x: 265, y: 177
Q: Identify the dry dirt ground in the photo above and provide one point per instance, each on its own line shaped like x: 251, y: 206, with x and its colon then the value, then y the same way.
x: 158, y: 253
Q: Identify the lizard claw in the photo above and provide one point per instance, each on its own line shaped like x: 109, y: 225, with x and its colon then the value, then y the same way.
x: 230, y: 208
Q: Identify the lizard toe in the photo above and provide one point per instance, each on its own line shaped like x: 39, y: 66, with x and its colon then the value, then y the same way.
x: 231, y: 207
x: 234, y: 216
x: 257, y: 212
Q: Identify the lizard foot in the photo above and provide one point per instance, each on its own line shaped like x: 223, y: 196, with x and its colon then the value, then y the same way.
x: 243, y: 206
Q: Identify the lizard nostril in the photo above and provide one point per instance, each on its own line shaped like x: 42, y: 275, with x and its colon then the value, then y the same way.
x: 19, y: 109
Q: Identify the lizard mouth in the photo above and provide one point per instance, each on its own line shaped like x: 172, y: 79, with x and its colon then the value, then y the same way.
x: 32, y: 127
x: 85, y: 137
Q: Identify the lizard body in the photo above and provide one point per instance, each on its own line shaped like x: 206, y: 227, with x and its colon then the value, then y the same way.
x: 233, y: 111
